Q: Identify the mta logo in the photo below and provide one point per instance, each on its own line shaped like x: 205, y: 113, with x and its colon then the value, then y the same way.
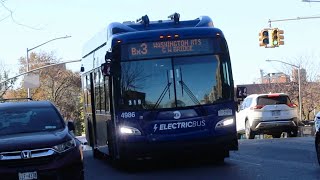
x: 176, y: 114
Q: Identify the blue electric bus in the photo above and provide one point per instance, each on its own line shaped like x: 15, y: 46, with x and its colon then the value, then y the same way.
x: 154, y: 88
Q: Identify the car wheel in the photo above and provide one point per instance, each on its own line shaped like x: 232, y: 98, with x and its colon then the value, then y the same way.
x: 276, y: 135
x: 292, y: 133
x: 249, y: 133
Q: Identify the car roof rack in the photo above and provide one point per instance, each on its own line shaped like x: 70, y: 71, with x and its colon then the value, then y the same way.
x: 14, y: 99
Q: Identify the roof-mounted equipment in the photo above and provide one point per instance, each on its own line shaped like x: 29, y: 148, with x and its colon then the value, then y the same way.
x: 175, y: 17
x: 144, y: 20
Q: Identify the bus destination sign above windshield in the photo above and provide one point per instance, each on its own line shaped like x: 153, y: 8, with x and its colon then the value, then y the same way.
x: 169, y: 48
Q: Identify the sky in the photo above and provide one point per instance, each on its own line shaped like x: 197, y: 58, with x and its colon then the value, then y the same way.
x: 34, y: 22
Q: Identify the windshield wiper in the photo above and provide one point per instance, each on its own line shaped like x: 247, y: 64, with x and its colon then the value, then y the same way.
x: 164, y: 92
x: 193, y: 98
x: 189, y: 92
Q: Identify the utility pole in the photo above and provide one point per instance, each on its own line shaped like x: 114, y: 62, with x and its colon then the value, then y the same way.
x: 299, y: 83
x: 28, y: 50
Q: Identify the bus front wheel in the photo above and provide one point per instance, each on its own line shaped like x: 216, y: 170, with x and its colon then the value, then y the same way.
x: 110, y: 140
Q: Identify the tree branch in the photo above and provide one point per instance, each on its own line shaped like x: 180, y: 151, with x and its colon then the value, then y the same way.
x: 12, y: 18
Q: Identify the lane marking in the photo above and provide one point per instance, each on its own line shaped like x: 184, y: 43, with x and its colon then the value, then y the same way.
x: 255, y: 164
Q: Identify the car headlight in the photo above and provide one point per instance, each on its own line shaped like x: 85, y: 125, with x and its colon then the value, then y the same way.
x: 129, y: 130
x: 65, y: 146
x: 224, y: 123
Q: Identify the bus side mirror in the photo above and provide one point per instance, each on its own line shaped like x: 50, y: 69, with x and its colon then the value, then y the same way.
x: 105, y: 68
x: 108, y: 56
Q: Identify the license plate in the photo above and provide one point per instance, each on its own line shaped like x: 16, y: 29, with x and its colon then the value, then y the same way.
x: 306, y: 131
x: 275, y: 113
x: 28, y: 175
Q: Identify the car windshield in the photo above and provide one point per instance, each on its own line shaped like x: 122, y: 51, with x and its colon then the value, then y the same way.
x: 176, y: 82
x: 28, y: 120
x: 271, y: 100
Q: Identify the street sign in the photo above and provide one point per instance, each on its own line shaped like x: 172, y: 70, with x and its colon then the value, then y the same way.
x: 31, y: 81
x: 241, y: 92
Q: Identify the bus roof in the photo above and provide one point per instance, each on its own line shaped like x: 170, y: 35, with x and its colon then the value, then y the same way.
x: 143, y: 24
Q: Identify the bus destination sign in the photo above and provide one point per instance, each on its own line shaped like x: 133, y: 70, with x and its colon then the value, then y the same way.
x: 169, y: 48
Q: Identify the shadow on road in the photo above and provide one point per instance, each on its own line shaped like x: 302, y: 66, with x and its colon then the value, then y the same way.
x: 166, y: 164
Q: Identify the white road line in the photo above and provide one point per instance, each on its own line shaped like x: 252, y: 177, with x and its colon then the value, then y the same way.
x: 255, y: 164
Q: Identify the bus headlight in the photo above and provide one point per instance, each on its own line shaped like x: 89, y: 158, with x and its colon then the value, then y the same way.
x: 224, y: 123
x: 129, y: 130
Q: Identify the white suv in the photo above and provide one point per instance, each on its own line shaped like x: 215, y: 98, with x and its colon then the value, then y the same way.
x: 267, y: 114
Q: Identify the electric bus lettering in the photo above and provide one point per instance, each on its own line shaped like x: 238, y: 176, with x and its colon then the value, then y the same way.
x: 178, y: 125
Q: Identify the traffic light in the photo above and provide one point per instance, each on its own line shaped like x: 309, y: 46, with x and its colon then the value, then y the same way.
x: 280, y: 37
x: 276, y: 37
x: 264, y: 37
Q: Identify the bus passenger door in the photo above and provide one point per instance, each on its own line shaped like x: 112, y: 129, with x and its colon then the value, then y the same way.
x: 90, y: 111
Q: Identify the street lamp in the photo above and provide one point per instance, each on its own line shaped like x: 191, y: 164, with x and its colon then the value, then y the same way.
x: 299, y: 83
x: 63, y: 37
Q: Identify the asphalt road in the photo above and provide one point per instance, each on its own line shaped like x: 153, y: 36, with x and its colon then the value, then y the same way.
x: 269, y: 159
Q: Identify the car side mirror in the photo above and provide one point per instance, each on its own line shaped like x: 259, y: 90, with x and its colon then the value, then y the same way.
x: 71, y: 126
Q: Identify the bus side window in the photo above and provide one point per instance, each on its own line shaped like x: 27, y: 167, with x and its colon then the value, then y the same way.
x: 106, y: 93
x: 102, y: 92
x: 97, y: 93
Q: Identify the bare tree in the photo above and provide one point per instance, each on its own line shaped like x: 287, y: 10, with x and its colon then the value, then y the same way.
x: 10, y: 15
x: 310, y: 84
x: 4, y: 75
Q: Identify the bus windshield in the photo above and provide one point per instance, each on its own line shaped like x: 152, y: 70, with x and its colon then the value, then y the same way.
x: 174, y: 82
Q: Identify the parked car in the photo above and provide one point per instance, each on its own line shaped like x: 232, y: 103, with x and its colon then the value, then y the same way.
x: 271, y: 114
x: 36, y: 143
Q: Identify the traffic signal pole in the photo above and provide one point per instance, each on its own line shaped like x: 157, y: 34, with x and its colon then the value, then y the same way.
x: 292, y: 19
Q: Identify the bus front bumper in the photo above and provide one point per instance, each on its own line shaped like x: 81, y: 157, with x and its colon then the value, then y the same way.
x: 154, y: 150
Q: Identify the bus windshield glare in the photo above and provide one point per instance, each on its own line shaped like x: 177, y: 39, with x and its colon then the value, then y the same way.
x: 174, y: 82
